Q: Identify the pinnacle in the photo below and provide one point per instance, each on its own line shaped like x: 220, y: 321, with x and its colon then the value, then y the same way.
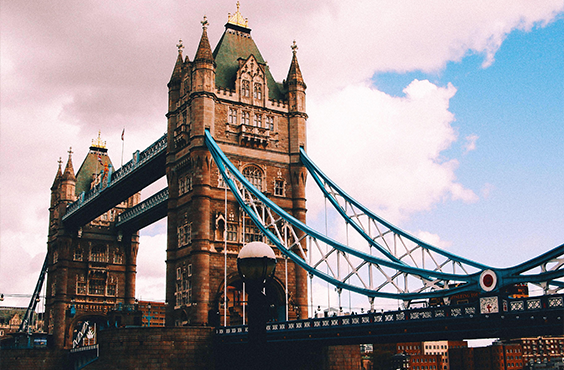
x: 204, y: 53
x: 69, y: 170
x: 295, y: 74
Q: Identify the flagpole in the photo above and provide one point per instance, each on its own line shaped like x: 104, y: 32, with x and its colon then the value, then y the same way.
x: 122, y: 144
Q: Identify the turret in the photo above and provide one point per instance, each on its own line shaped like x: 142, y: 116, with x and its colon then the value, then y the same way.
x: 176, y: 78
x: 296, y: 104
x: 203, y: 78
x: 203, y: 85
x: 56, y: 185
x: 68, y: 181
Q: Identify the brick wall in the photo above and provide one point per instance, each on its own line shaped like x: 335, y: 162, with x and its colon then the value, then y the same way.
x: 155, y: 348
x: 33, y: 359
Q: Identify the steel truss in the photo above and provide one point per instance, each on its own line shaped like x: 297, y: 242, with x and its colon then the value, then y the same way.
x: 393, y: 264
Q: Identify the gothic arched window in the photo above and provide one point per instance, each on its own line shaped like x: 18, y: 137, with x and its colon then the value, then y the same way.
x: 254, y: 175
x: 246, y: 89
x: 257, y: 93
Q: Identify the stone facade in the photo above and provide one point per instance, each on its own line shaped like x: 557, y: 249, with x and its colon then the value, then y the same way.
x: 260, y: 125
x: 91, y: 268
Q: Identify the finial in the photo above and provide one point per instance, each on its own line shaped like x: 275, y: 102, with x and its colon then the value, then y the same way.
x: 237, y: 18
x: 70, y: 151
x: 98, y: 143
x: 60, y: 161
x: 294, y: 47
x: 180, y: 46
x: 205, y: 22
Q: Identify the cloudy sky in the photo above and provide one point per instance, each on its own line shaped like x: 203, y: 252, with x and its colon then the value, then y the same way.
x: 446, y: 117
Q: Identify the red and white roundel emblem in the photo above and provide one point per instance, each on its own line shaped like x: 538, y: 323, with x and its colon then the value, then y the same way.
x: 488, y: 280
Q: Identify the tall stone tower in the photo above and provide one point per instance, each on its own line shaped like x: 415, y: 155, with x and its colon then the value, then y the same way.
x: 91, y: 267
x: 260, y: 124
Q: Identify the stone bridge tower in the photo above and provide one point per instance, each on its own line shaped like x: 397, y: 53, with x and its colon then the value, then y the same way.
x: 91, y: 267
x: 260, y: 124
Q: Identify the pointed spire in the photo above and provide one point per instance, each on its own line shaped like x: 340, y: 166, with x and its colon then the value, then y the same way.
x: 58, y: 175
x: 204, y: 53
x: 295, y: 74
x: 177, y: 72
x: 69, y: 170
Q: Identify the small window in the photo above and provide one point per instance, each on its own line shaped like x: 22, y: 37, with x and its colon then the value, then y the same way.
x: 80, y: 284
x: 77, y: 254
x: 252, y: 234
x: 257, y: 94
x: 279, y: 188
x: 246, y: 89
x: 254, y: 175
x: 232, y: 118
x: 231, y: 232
x: 246, y: 118
x: 185, y: 234
x: 112, y: 286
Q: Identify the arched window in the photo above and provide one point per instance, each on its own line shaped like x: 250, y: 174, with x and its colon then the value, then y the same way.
x: 254, y: 175
x: 257, y: 93
x: 246, y: 89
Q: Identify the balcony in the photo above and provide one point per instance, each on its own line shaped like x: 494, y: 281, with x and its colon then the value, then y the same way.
x: 253, y: 136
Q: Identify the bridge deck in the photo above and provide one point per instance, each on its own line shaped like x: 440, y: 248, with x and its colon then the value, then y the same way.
x: 515, y: 318
x: 146, y: 168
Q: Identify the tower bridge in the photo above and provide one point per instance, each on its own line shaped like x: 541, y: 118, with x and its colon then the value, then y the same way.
x: 235, y: 159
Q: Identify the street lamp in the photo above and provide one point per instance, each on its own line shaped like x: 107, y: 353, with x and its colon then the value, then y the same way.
x: 256, y: 263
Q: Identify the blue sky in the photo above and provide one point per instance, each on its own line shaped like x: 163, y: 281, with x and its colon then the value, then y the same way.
x: 516, y: 108
x: 381, y: 75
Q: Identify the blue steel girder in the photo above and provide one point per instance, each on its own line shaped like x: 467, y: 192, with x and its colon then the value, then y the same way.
x: 390, y: 241
x: 145, y: 168
x: 145, y: 213
x: 399, y: 246
x: 365, y: 274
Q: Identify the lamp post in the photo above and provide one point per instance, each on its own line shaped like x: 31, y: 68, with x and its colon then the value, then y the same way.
x: 256, y: 263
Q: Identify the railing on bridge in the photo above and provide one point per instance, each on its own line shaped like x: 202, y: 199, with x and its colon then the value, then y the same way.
x: 145, y: 206
x: 113, y: 178
x: 526, y: 309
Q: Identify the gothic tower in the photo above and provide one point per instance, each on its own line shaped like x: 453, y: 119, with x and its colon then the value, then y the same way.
x: 260, y: 124
x: 91, y: 269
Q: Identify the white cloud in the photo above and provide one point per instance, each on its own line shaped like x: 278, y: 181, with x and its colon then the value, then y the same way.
x: 386, y: 151
x: 433, y: 239
x: 470, y: 144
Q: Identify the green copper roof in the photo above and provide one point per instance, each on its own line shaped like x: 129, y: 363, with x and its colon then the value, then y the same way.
x: 236, y: 43
x: 90, y: 166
